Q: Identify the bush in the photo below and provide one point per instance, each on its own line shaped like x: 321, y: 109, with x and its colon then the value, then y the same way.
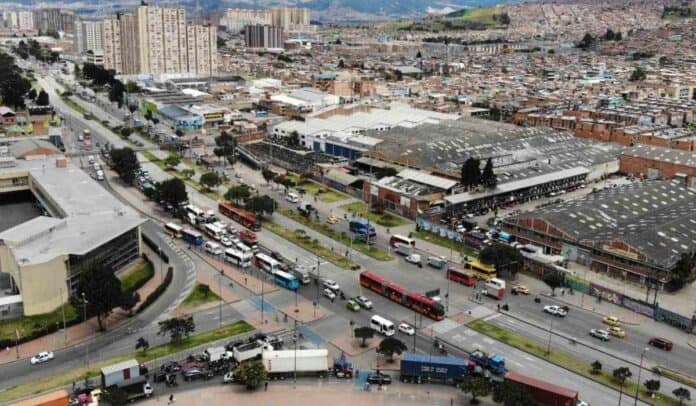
x: 158, y: 291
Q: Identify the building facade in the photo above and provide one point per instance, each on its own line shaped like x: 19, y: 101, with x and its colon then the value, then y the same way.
x: 291, y: 19
x: 54, y: 19
x: 263, y: 36
x: 236, y: 19
x: 88, y: 36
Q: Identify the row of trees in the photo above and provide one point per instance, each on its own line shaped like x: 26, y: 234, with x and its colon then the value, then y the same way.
x: 41, y: 99
x: 471, y: 175
x: 32, y: 48
x: 13, y: 86
x: 102, y: 77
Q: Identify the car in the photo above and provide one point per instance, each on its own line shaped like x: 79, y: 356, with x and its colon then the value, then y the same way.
x: 170, y: 366
x: 292, y: 197
x: 197, y: 373
x: 661, y: 343
x: 90, y: 159
x: 414, y: 259
x: 363, y: 302
x: 160, y: 376
x: 555, y: 310
x: 601, y: 334
x: 352, y: 306
x: 407, y: 329
x: 99, y: 175
x: 226, y: 241
x: 332, y: 219
x: 40, y: 358
x: 617, y: 332
x: 379, y: 379
x: 329, y: 294
x: 611, y: 320
x: 520, y: 289
x: 330, y: 284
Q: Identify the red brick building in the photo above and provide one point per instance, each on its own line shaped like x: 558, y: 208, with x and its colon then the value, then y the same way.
x: 658, y: 162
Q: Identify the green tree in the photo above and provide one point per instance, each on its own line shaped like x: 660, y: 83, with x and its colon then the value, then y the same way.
x: 42, y: 98
x: 471, y: 173
x: 251, y: 374
x: 142, y: 344
x: 101, y: 290
x: 513, y: 393
x: 210, y: 180
x: 132, y: 87
x: 341, y: 64
x: 238, y: 193
x: 652, y: 386
x: 294, y: 139
x: 32, y: 94
x: 503, y: 257
x: 596, y: 367
x: 638, y: 74
x: 555, y: 279
x: 363, y: 333
x: 261, y: 205
x: 419, y: 55
x: 268, y: 175
x: 682, y: 394
x: 132, y: 108
x: 681, y: 274
x: 226, y: 147
x: 172, y: 160
x: 587, y: 42
x: 128, y: 301
x: 221, y: 42
x: 390, y: 346
x: 125, y: 164
x: 172, y: 191
x: 116, y: 92
x: 488, y: 177
x: 177, y: 328
x: 126, y: 132
x: 476, y: 386
x: 620, y: 375
x: 187, y: 173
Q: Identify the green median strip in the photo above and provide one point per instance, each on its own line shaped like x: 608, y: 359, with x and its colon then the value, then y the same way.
x: 200, y: 295
x: 445, y: 242
x: 341, y: 237
x: 43, y: 385
x: 384, y: 219
x: 298, y: 237
x: 568, y: 362
x: 676, y: 376
x: 159, y: 162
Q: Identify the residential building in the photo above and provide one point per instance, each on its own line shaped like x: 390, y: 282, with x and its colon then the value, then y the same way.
x: 202, y: 50
x: 54, y: 20
x: 112, y: 44
x: 88, y: 36
x: 236, y: 19
x: 263, y: 36
x: 291, y: 18
x: 25, y: 20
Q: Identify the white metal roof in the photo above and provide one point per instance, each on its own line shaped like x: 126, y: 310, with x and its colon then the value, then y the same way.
x: 427, y: 179
x: 120, y: 366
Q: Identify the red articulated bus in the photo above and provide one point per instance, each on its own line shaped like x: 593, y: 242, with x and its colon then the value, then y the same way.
x: 241, y: 216
x: 399, y: 294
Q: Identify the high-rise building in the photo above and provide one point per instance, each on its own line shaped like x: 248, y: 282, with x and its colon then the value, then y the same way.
x: 157, y: 40
x: 54, y: 19
x: 10, y: 19
x: 236, y: 19
x: 25, y: 20
x: 88, y: 36
x: 263, y: 36
x: 291, y: 19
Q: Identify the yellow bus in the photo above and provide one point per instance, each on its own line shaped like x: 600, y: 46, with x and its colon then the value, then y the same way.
x: 480, y: 271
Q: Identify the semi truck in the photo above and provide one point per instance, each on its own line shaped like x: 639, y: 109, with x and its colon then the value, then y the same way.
x: 122, y: 374
x: 284, y: 364
x: 545, y: 393
x: 252, y: 350
x: 494, y: 363
x: 421, y: 368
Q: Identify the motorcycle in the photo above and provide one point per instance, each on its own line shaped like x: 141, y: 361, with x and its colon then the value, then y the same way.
x: 440, y: 347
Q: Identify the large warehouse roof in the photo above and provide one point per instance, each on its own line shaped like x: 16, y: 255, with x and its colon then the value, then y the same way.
x: 669, y: 155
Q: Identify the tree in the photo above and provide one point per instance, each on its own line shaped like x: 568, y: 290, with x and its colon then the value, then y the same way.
x: 125, y: 164
x: 116, y: 92
x: 172, y: 161
x: 238, y: 193
x: 126, y: 132
x: 179, y: 132
x: 364, y: 333
x: 132, y: 108
x: 682, y: 394
x: 226, y: 146
x: 142, y: 344
x: 251, y: 374
x: 587, y: 42
x: 652, y: 386
x: 419, y: 55
x: 115, y: 396
x: 42, y: 98
x: 503, y: 257
x: 488, y: 177
x: 555, y: 279
x: 221, y: 42
x: 32, y: 94
x: 621, y: 374
x: 471, y: 173
x: 132, y: 87
x: 341, y: 64
x: 187, y: 173
x: 268, y: 175
x: 178, y: 328
x: 638, y: 74
x: 13, y: 86
x: 681, y: 275
x: 172, y: 191
x: 390, y: 346
x: 128, y: 301
x: 210, y: 180
x: 261, y: 205
x: 476, y: 386
x: 101, y: 290
x: 513, y: 393
x: 596, y: 367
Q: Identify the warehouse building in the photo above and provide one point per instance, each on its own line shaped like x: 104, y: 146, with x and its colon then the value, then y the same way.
x: 658, y: 163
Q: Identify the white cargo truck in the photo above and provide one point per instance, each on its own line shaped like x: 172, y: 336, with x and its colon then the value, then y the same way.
x: 215, y: 354
x: 251, y: 350
x: 283, y: 364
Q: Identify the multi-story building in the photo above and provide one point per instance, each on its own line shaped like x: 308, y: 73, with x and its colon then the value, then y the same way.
x: 9, y: 19
x: 157, y: 40
x: 54, y: 19
x: 263, y: 36
x: 236, y: 19
x: 88, y: 36
x: 25, y: 20
x: 291, y: 18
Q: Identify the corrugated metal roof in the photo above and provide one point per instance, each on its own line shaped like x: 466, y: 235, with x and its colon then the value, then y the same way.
x: 427, y: 179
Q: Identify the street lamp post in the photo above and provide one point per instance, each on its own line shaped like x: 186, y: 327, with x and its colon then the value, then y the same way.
x: 318, y: 278
x: 448, y: 288
x: 640, y: 369
x: 548, y: 345
x: 222, y: 272
x: 84, y: 307
x: 294, y: 339
x: 159, y: 254
x: 263, y: 279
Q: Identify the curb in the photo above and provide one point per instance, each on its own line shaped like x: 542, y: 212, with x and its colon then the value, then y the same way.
x: 692, y: 343
x: 629, y: 323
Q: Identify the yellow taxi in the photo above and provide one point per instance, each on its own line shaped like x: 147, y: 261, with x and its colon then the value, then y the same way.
x: 617, y: 332
x: 611, y: 320
x: 520, y: 289
x: 332, y: 219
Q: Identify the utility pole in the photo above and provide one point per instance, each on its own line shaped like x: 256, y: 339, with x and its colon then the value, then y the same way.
x: 294, y: 338
x: 222, y: 272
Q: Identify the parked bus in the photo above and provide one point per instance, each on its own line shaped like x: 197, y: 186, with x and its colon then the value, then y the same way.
x: 237, y: 258
x: 173, y: 230
x: 479, y: 270
x: 196, y: 212
x: 266, y: 263
x: 245, y: 249
x: 192, y: 237
x: 241, y: 216
x: 302, y: 275
x: 382, y: 325
x: 461, y: 276
x: 286, y: 280
x: 400, y: 239
x: 399, y: 294
x: 213, y: 231
x: 495, y: 288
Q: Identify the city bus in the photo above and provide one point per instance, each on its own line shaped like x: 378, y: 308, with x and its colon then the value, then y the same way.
x: 213, y: 231
x: 286, y: 280
x: 495, y: 288
x: 192, y: 237
x: 237, y: 258
x: 173, y: 230
x: 241, y: 216
x: 195, y: 212
x: 479, y: 270
x: 400, y: 239
x: 266, y: 263
x: 382, y: 325
x: 461, y: 276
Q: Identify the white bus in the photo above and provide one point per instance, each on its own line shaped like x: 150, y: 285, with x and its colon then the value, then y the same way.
x: 213, y: 231
x: 198, y: 213
x: 243, y: 247
x: 173, y: 230
x: 400, y: 239
x: 382, y: 325
x: 213, y: 248
x: 266, y: 263
x: 237, y: 258
x: 495, y: 288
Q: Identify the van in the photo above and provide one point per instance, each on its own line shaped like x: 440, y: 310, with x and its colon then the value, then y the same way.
x: 292, y: 197
x: 213, y: 248
x: 382, y: 325
x: 100, y: 175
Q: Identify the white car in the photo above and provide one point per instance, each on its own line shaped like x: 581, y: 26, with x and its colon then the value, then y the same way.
x: 331, y: 285
x: 407, y: 329
x: 42, y: 357
x: 292, y: 198
x: 90, y: 159
x: 363, y: 301
x: 226, y: 241
x: 555, y: 310
x: 329, y: 294
x: 601, y: 334
x: 414, y: 259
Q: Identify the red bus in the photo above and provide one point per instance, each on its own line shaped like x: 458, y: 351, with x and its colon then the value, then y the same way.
x: 399, y: 294
x: 461, y: 276
x: 241, y: 216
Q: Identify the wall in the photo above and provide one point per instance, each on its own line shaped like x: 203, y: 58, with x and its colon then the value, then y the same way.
x: 638, y: 165
x: 43, y: 286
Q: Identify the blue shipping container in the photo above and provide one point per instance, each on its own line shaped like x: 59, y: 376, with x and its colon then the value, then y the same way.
x: 424, y: 368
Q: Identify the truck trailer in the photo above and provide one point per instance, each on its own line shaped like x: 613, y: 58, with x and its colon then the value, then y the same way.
x: 283, y: 364
x: 421, y: 368
x: 544, y: 393
x: 122, y: 374
x: 252, y: 350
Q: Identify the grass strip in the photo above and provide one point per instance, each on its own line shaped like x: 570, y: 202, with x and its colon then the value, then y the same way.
x: 341, y: 237
x: 135, y: 278
x: 567, y: 361
x: 37, y: 324
x: 304, y: 241
x: 200, y: 295
x: 385, y: 219
x: 445, y: 242
x: 45, y: 384
x: 676, y: 376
